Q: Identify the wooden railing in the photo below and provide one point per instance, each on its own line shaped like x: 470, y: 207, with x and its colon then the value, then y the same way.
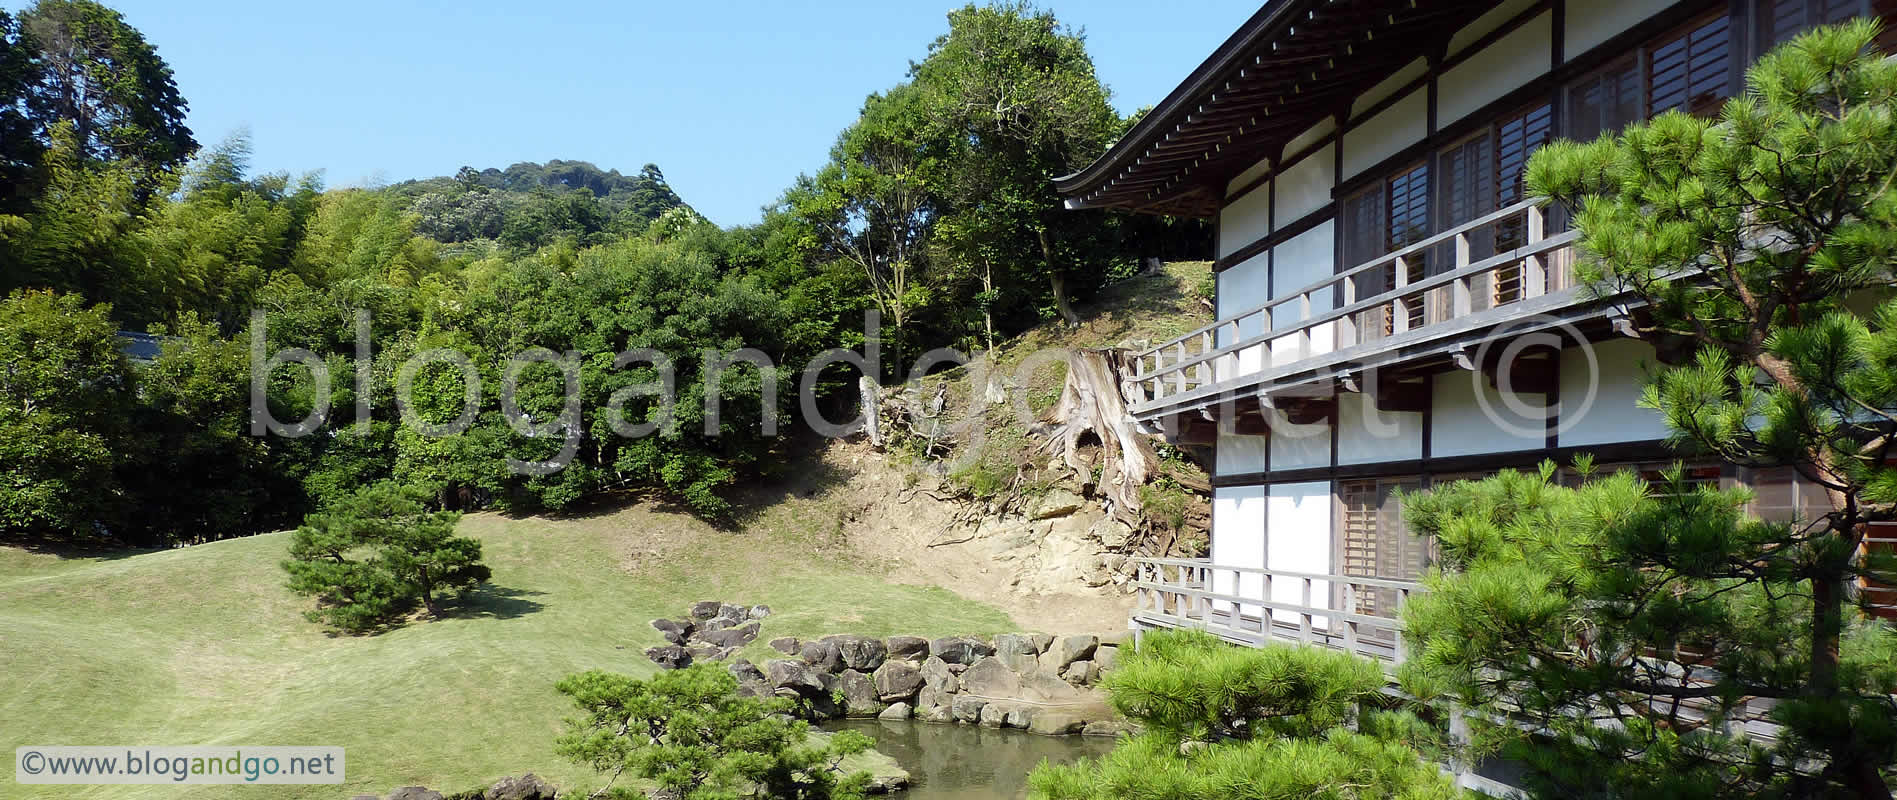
x: 1195, y: 593
x: 1408, y: 305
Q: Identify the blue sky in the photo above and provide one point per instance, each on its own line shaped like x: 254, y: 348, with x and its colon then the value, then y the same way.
x: 732, y: 100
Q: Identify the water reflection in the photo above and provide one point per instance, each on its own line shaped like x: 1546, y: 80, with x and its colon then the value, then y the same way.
x: 966, y: 762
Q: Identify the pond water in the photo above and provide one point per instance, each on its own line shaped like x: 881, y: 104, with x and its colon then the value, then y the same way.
x: 967, y: 762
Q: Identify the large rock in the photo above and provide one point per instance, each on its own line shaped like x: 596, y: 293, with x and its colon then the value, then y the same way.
x: 525, y: 787
x: 1106, y: 658
x: 1057, y: 503
x: 1017, y: 651
x: 860, y: 653
x: 744, y: 671
x: 729, y: 637
x: 1046, y: 687
x: 1042, y: 641
x: 960, y: 649
x: 674, y: 631
x: 710, y: 652
x: 967, y: 709
x: 896, y: 712
x: 823, y: 655
x: 1018, y: 717
x: 759, y: 612
x: 1067, y: 650
x: 1104, y: 727
x: 414, y: 793
x: 788, y: 645
x: 991, y: 715
x: 991, y: 678
x: 1081, y: 673
x: 936, y: 673
x: 669, y: 656
x: 897, y: 680
x: 912, y: 649
x: 935, y: 705
x: 859, y: 694
x: 1112, y: 533
x: 1055, y: 723
x: 705, y: 610
x: 796, y: 676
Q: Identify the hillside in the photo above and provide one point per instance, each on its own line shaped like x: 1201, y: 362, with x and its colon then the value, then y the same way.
x: 204, y: 645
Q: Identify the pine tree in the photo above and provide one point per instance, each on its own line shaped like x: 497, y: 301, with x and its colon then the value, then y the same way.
x: 1760, y: 241
x: 1272, y: 723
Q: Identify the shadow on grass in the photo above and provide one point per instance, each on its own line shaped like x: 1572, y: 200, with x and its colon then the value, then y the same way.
x: 488, y: 601
x: 101, y: 549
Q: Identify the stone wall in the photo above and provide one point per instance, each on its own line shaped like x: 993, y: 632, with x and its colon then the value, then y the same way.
x: 1038, y: 682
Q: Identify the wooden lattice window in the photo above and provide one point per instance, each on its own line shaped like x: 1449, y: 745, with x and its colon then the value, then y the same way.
x: 1375, y: 543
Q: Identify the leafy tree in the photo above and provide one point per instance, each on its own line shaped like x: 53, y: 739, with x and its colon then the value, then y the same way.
x: 65, y: 394
x: 872, y: 207
x: 690, y: 733
x: 1014, y: 101
x: 1255, y: 723
x: 1757, y: 239
x: 19, y: 147
x: 196, y: 472
x: 378, y: 554
x: 99, y: 75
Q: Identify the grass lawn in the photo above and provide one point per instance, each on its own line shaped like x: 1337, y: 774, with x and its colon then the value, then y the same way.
x: 204, y: 646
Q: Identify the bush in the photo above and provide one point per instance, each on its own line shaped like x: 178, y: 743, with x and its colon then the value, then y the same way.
x: 691, y: 733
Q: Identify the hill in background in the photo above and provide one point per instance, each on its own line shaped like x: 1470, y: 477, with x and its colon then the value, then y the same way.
x: 529, y: 204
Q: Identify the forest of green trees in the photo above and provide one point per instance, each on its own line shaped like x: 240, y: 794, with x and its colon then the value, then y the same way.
x: 934, y: 209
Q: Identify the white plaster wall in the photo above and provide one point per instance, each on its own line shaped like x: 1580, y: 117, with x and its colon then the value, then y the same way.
x: 1306, y: 186
x: 1300, y: 261
x: 1368, y: 436
x: 1300, y: 541
x: 1493, y: 71
x: 1591, y: 23
x: 1389, y: 86
x: 1461, y: 426
x: 1244, y: 222
x: 1240, y: 455
x: 1489, y: 21
x: 1298, y: 446
x: 1381, y: 136
x: 1310, y: 135
x: 1617, y: 375
x: 1250, y: 174
x: 1238, y: 540
x: 1241, y: 288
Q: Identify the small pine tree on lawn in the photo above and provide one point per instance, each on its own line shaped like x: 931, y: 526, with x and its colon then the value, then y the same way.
x: 376, y: 555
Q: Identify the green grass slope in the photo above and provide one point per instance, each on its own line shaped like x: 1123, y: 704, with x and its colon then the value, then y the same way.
x: 204, y: 646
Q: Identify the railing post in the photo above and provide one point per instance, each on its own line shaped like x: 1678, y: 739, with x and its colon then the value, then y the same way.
x: 1346, y: 325
x: 1179, y: 372
x: 1461, y: 303
x: 1399, y: 313
x: 1303, y: 339
x: 1207, y: 343
x: 1534, y: 271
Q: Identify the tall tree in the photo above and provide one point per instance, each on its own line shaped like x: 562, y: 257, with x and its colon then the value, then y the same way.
x: 19, y: 148
x: 873, y: 207
x: 98, y: 73
x: 1015, y: 95
x: 65, y: 392
x: 1763, y: 240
